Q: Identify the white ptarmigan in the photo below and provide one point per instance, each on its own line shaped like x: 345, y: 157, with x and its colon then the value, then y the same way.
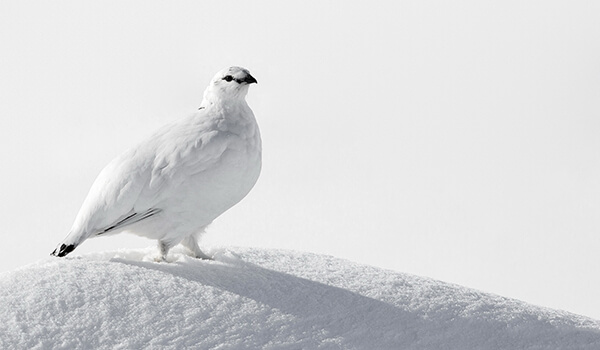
x: 175, y: 183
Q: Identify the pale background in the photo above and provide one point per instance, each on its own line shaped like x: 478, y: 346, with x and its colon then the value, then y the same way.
x: 454, y: 140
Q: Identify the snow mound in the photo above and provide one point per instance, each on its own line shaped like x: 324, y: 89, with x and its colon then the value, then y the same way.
x: 263, y: 299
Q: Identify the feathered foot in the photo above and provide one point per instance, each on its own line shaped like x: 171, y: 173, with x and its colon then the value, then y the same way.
x: 191, y: 243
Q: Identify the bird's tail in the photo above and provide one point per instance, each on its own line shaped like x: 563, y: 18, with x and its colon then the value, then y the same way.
x: 68, y: 244
x: 63, y: 249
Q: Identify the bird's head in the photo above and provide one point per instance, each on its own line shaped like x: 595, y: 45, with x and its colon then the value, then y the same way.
x: 229, y: 84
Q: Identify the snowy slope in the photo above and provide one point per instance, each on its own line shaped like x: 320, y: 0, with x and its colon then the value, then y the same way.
x: 255, y: 299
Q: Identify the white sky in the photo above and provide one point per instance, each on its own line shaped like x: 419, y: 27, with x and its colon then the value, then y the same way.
x: 458, y: 141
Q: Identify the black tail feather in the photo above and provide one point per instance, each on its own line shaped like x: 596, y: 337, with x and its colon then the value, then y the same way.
x: 63, y: 250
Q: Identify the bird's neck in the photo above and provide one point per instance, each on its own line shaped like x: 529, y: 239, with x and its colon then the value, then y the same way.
x: 219, y: 97
x: 230, y: 114
x: 229, y: 106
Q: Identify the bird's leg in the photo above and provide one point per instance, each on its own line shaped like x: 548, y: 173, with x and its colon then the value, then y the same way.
x: 163, y: 250
x: 191, y: 243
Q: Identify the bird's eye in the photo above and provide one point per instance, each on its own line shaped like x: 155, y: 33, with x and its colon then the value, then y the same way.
x: 228, y: 78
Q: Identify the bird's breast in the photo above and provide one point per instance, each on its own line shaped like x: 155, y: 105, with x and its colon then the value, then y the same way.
x: 209, y: 179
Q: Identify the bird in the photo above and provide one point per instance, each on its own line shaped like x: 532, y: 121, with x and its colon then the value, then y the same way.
x: 172, y: 185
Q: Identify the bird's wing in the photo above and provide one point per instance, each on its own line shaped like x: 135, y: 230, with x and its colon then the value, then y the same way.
x: 113, y: 196
x: 132, y: 186
x: 130, y: 219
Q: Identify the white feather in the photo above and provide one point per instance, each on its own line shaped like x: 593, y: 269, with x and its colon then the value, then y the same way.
x: 175, y: 183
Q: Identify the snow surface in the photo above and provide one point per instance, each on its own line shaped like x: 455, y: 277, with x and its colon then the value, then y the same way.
x: 263, y: 299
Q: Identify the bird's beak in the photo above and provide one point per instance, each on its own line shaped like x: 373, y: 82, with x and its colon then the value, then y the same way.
x: 250, y: 79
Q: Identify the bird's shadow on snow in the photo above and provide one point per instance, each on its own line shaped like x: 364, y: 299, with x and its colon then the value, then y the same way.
x: 348, y: 316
